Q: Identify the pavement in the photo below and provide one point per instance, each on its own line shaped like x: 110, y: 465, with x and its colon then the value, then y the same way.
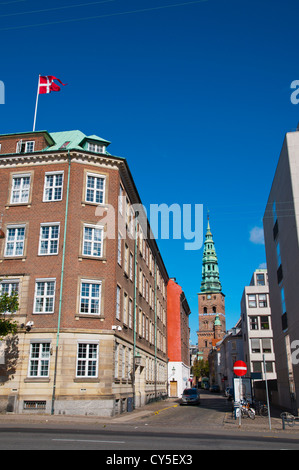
x: 226, y: 425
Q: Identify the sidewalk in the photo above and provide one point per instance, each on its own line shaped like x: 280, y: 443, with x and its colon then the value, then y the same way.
x: 259, y: 424
x: 139, y: 413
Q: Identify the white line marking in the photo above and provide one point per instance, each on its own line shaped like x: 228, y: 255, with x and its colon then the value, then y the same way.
x: 88, y: 440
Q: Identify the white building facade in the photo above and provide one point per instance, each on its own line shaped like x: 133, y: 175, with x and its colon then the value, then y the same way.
x: 257, y: 327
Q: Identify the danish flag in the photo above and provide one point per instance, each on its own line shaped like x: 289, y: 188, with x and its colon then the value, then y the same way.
x: 47, y: 84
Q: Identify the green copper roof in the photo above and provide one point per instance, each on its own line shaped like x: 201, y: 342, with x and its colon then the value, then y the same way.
x: 75, y: 138
x: 210, y: 271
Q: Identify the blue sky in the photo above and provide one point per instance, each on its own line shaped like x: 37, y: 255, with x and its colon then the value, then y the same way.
x: 196, y: 96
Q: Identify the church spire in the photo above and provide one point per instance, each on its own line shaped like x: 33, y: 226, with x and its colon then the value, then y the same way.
x: 210, y: 270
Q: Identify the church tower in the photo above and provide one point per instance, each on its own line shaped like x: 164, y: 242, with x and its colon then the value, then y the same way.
x: 211, y: 300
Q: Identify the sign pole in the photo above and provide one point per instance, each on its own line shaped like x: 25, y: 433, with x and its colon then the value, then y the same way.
x: 240, y: 407
x: 240, y: 369
x: 267, y: 392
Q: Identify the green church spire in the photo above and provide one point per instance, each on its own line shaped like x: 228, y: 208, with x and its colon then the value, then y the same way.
x: 210, y: 271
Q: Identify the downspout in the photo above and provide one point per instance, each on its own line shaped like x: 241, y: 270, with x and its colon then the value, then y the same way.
x: 135, y: 313
x: 61, y: 282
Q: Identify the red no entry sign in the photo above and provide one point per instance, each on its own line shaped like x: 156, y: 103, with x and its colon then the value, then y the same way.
x: 240, y: 368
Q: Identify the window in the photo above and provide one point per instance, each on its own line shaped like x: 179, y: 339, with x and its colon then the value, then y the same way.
x: 53, y: 187
x: 252, y: 301
x: 255, y: 346
x: 262, y: 300
x: 278, y: 254
x: 90, y: 297
x: 95, y: 189
x: 265, y: 322
x: 123, y: 362
x: 253, y: 323
x: 48, y: 241
x: 20, y: 189
x: 93, y: 241
x: 39, y: 359
x: 126, y: 264
x: 116, y: 356
x: 130, y: 312
x: 96, y: 148
x: 125, y: 309
x: 120, y: 199
x: 25, y: 147
x: 65, y: 144
x: 266, y: 345
x: 15, y: 241
x: 44, y: 296
x: 131, y: 267
x: 119, y: 249
x: 87, y: 360
x: 117, y: 302
x: 282, y: 298
x: 9, y: 287
x: 260, y: 279
x: 256, y: 366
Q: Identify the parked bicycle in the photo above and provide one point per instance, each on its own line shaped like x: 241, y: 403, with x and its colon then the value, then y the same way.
x: 260, y: 408
x: 246, y: 410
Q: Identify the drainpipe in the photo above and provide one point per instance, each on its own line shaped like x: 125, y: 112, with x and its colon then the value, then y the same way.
x: 61, y: 282
x: 135, y: 312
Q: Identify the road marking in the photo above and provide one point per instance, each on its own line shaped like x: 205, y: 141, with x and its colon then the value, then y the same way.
x: 89, y: 440
x: 163, y: 409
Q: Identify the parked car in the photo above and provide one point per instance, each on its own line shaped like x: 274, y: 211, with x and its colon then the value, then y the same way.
x: 215, y: 389
x: 191, y: 396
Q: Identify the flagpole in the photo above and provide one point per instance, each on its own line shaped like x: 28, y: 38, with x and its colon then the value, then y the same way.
x: 37, y: 94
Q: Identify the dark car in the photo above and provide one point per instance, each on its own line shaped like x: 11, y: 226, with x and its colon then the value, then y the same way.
x: 215, y: 388
x: 191, y: 396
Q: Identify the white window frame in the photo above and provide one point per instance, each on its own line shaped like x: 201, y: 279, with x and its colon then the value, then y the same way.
x: 41, y: 357
x: 10, y: 291
x: 118, y: 292
x: 21, y: 190
x: 93, y: 242
x: 119, y: 249
x: 46, y: 297
x: 10, y: 282
x: 94, y: 190
x: 125, y: 308
x: 50, y: 240
x: 97, y: 148
x: 87, y: 359
x: 55, y: 186
x: 130, y: 312
x: 23, y: 147
x: 91, y: 282
x: 15, y: 241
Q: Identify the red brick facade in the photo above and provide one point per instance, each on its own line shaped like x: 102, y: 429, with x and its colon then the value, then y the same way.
x: 113, y: 270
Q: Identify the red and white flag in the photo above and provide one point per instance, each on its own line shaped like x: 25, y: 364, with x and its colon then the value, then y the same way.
x: 47, y: 84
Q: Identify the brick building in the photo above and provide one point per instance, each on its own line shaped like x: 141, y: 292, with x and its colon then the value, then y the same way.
x: 211, y: 301
x: 92, y: 295
x: 178, y: 335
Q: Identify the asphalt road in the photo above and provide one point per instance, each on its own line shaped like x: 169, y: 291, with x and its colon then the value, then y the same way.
x: 180, y: 430
x: 136, y: 440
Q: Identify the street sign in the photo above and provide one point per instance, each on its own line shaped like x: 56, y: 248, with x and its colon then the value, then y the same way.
x: 240, y: 368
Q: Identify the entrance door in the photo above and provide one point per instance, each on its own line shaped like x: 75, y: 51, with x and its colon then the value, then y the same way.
x: 173, y: 389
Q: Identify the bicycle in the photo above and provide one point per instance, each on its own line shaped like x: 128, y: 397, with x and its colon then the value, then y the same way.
x: 246, y: 410
x: 260, y: 408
